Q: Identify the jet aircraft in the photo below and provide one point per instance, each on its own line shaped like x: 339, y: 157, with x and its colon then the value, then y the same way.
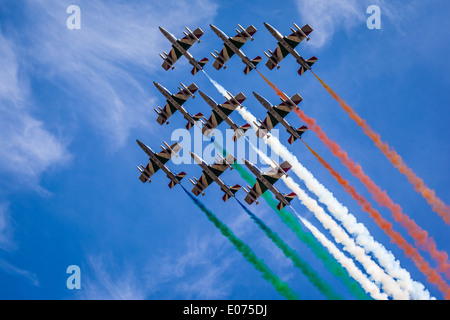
x: 265, y: 181
x: 286, y: 45
x: 221, y: 113
x: 157, y: 161
x: 276, y: 114
x: 211, y: 174
x: 174, y: 102
x: 180, y: 48
x: 233, y: 46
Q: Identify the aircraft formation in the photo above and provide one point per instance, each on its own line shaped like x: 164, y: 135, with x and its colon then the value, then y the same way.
x: 220, y: 112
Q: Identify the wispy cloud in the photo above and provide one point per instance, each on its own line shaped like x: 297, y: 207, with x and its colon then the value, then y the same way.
x: 107, y: 61
x: 28, y: 148
x: 105, y: 282
x: 190, y: 275
x: 7, y: 267
x: 195, y: 274
x: 327, y: 17
x: 6, y: 242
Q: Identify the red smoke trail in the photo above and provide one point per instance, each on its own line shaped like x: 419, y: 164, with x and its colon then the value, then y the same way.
x: 419, y: 235
x: 410, y: 251
x: 435, y: 202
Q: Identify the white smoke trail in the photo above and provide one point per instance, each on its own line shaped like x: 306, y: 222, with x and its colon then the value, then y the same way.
x: 362, y: 236
x: 380, y: 277
x: 347, y: 263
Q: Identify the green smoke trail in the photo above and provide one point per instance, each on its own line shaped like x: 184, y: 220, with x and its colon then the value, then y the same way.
x: 309, y: 272
x: 330, y: 263
x: 292, y: 222
x: 247, y: 252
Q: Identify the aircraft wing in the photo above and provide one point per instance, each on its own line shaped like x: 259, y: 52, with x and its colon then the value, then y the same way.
x: 242, y: 37
x: 181, y: 97
x: 255, y: 192
x: 186, y: 42
x: 201, y: 184
x: 238, y: 40
x: 170, y: 60
x: 295, y: 37
x: 167, y: 153
x: 222, y: 165
x: 274, y: 174
x: 281, y: 52
x: 148, y: 171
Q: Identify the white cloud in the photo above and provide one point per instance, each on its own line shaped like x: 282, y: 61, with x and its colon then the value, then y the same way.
x: 104, y: 282
x: 102, y: 66
x: 28, y: 148
x: 190, y: 275
x: 5, y: 227
x: 7, y: 267
x: 327, y: 16
x: 194, y: 274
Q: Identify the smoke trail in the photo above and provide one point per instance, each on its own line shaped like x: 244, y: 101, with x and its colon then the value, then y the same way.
x: 309, y: 272
x: 349, y: 222
x: 289, y: 220
x: 221, y: 89
x: 396, y: 237
x: 420, y: 236
x: 348, y: 263
x: 429, y: 195
x: 318, y: 250
x: 377, y: 273
x: 246, y: 251
x: 340, y: 212
x: 388, y: 283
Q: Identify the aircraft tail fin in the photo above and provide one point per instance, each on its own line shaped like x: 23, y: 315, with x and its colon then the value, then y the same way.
x: 241, y: 131
x: 233, y: 189
x: 255, y: 61
x: 309, y: 62
x: 299, y: 131
x: 196, y: 118
x: 179, y: 176
x: 289, y: 197
x: 201, y: 63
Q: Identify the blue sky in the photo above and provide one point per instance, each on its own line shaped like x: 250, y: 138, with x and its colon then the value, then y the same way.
x: 73, y: 102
